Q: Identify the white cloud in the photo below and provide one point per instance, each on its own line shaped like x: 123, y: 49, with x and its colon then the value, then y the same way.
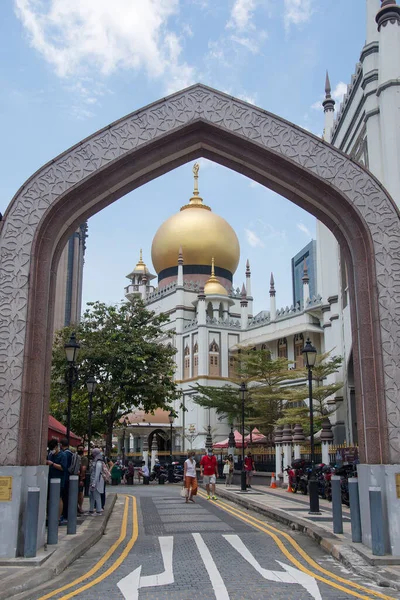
x: 242, y: 15
x: 304, y: 229
x: 80, y: 37
x: 339, y: 91
x: 317, y: 105
x: 296, y: 12
x: 253, y: 239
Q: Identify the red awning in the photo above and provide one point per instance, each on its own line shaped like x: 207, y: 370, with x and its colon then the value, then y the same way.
x: 225, y: 443
x: 57, y: 431
x: 256, y: 437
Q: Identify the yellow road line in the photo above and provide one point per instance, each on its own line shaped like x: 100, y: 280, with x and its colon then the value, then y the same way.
x: 101, y: 562
x: 117, y: 562
x: 262, y: 527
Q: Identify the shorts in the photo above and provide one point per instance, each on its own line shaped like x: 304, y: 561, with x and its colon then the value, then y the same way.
x: 209, y: 479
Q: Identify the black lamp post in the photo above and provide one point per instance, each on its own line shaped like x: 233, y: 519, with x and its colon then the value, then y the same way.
x: 243, y: 390
x: 91, y: 386
x: 71, y: 352
x: 126, y: 422
x: 310, y: 353
x: 171, y: 418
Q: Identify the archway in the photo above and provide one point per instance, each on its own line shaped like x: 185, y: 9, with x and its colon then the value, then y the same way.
x: 198, y: 121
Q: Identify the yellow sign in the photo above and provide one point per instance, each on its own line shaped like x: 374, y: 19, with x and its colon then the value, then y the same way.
x: 5, y: 489
x: 398, y: 484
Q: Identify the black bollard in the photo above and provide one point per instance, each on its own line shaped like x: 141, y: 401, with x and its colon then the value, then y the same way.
x: 337, y: 504
x: 72, y: 503
x: 53, y: 511
x: 31, y: 522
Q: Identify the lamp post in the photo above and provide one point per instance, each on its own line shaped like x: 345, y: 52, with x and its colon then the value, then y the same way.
x: 91, y: 386
x: 243, y: 390
x: 310, y: 353
x: 171, y: 418
x: 126, y: 422
x: 71, y: 352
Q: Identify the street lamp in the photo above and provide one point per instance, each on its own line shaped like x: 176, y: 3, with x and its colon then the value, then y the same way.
x: 126, y: 423
x: 71, y: 352
x: 91, y: 386
x: 243, y: 390
x: 171, y: 418
x: 310, y: 353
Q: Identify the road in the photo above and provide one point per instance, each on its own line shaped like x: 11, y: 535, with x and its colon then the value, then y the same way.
x: 158, y: 548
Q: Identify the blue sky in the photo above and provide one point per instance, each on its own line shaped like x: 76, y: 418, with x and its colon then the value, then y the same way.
x: 71, y: 67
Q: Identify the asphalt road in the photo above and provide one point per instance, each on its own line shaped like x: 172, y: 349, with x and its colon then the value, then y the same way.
x: 157, y: 547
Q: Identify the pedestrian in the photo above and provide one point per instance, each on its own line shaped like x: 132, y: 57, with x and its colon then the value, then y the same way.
x: 116, y: 474
x: 144, y: 471
x: 107, y: 470
x: 69, y: 454
x: 130, y: 474
x: 208, y: 466
x: 57, y: 462
x: 190, y: 477
x: 96, y: 482
x: 249, y: 467
x: 82, y: 476
x: 228, y: 469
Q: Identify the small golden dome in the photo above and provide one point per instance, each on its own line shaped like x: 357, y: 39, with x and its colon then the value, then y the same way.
x: 141, y: 266
x: 213, y: 286
x: 201, y: 234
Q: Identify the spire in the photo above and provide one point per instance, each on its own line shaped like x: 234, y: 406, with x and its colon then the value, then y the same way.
x: 180, y: 256
x: 196, y: 201
x: 179, y: 281
x: 389, y: 11
x: 328, y: 103
x: 272, y: 286
x: 213, y: 285
x: 248, y: 272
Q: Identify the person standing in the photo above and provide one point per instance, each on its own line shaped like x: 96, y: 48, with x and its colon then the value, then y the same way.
x: 57, y: 462
x: 65, y: 448
x: 190, y: 477
x: 82, y: 477
x: 249, y: 467
x: 96, y: 482
x: 228, y: 470
x: 209, y: 467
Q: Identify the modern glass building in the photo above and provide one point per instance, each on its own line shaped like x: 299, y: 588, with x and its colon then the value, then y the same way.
x: 308, y: 254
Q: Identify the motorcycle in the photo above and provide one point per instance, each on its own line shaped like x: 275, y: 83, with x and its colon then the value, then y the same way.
x: 299, y: 476
x: 158, y: 472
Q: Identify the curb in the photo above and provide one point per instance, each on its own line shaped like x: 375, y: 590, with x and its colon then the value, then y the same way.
x: 60, y: 559
x: 350, y: 556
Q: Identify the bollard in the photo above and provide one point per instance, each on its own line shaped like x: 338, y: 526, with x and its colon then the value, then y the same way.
x: 376, y: 515
x: 337, y: 504
x: 31, y: 522
x: 72, y: 504
x: 53, y: 509
x: 355, y: 515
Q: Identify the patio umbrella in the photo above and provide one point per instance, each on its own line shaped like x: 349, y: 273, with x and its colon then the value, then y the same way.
x: 256, y: 437
x: 225, y: 443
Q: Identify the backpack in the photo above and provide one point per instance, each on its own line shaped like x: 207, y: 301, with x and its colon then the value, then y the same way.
x: 75, y: 465
x: 106, y: 474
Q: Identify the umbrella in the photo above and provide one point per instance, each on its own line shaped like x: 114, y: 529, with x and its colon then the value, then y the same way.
x: 256, y: 437
x: 225, y: 443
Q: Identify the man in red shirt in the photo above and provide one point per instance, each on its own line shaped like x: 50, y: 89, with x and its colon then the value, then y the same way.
x: 208, y: 466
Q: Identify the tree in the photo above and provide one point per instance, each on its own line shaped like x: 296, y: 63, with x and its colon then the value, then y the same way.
x: 265, y: 378
x: 296, y: 411
x: 122, y: 347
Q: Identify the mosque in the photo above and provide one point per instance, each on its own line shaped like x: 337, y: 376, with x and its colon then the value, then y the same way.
x: 195, y: 254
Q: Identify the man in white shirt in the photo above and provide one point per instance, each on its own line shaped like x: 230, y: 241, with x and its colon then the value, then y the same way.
x: 144, y: 471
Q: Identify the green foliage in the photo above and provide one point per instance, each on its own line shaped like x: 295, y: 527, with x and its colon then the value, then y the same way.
x: 121, y: 346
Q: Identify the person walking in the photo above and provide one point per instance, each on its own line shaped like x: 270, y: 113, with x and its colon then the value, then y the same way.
x: 228, y: 470
x: 249, y: 467
x: 190, y: 477
x: 96, y: 482
x: 209, y: 467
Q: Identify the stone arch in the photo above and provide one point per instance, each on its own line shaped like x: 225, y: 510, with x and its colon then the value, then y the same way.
x: 198, y: 121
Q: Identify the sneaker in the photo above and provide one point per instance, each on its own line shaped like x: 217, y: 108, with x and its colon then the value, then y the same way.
x: 90, y: 513
x: 214, y: 498
x: 208, y: 497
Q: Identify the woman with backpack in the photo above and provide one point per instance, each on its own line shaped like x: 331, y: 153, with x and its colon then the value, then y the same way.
x: 96, y: 482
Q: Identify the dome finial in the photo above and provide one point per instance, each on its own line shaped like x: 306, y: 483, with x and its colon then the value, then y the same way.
x: 213, y: 286
x: 196, y: 201
x: 212, y: 267
x: 196, y: 168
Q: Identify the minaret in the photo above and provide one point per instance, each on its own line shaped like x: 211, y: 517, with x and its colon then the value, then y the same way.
x: 329, y: 110
x: 202, y: 339
x: 180, y: 268
x: 306, y: 285
x: 248, y: 287
x: 244, y: 309
x: 272, y: 299
x: 388, y: 21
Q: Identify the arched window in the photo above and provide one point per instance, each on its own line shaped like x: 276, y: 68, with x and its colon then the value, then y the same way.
x: 214, y: 361
x: 282, y: 348
x: 186, y: 363
x: 195, y: 359
x: 298, y: 349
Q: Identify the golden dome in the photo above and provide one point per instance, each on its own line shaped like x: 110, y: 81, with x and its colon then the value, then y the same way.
x: 213, y: 285
x: 201, y: 233
x: 140, y: 266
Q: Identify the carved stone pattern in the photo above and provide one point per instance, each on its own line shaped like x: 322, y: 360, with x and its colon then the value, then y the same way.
x: 246, y: 121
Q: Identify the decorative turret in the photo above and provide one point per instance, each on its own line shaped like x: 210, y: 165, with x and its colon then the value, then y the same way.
x: 248, y: 279
x: 140, y: 278
x: 213, y: 287
x: 329, y: 110
x: 244, y: 305
x: 306, y: 285
x: 272, y: 299
x: 180, y: 268
x: 298, y: 440
x: 389, y: 12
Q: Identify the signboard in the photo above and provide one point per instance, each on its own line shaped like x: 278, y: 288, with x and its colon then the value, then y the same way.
x: 398, y: 485
x: 5, y: 489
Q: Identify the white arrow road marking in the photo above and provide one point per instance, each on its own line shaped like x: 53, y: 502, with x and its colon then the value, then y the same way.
x: 131, y: 584
x: 290, y: 575
x: 221, y: 593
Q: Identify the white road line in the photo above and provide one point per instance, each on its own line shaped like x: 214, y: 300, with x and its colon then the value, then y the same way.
x: 221, y: 593
x: 290, y: 575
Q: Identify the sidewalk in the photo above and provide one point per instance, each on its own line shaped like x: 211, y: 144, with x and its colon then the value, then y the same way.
x: 292, y: 510
x: 18, y: 575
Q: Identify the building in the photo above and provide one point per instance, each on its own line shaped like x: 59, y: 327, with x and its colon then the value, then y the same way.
x: 307, y: 257
x: 68, y: 300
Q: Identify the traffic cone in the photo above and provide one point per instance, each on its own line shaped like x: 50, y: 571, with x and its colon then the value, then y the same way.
x: 289, y: 488
x: 273, y: 482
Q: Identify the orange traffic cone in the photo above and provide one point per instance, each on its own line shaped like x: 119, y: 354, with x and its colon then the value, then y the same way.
x: 289, y: 488
x: 273, y: 482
